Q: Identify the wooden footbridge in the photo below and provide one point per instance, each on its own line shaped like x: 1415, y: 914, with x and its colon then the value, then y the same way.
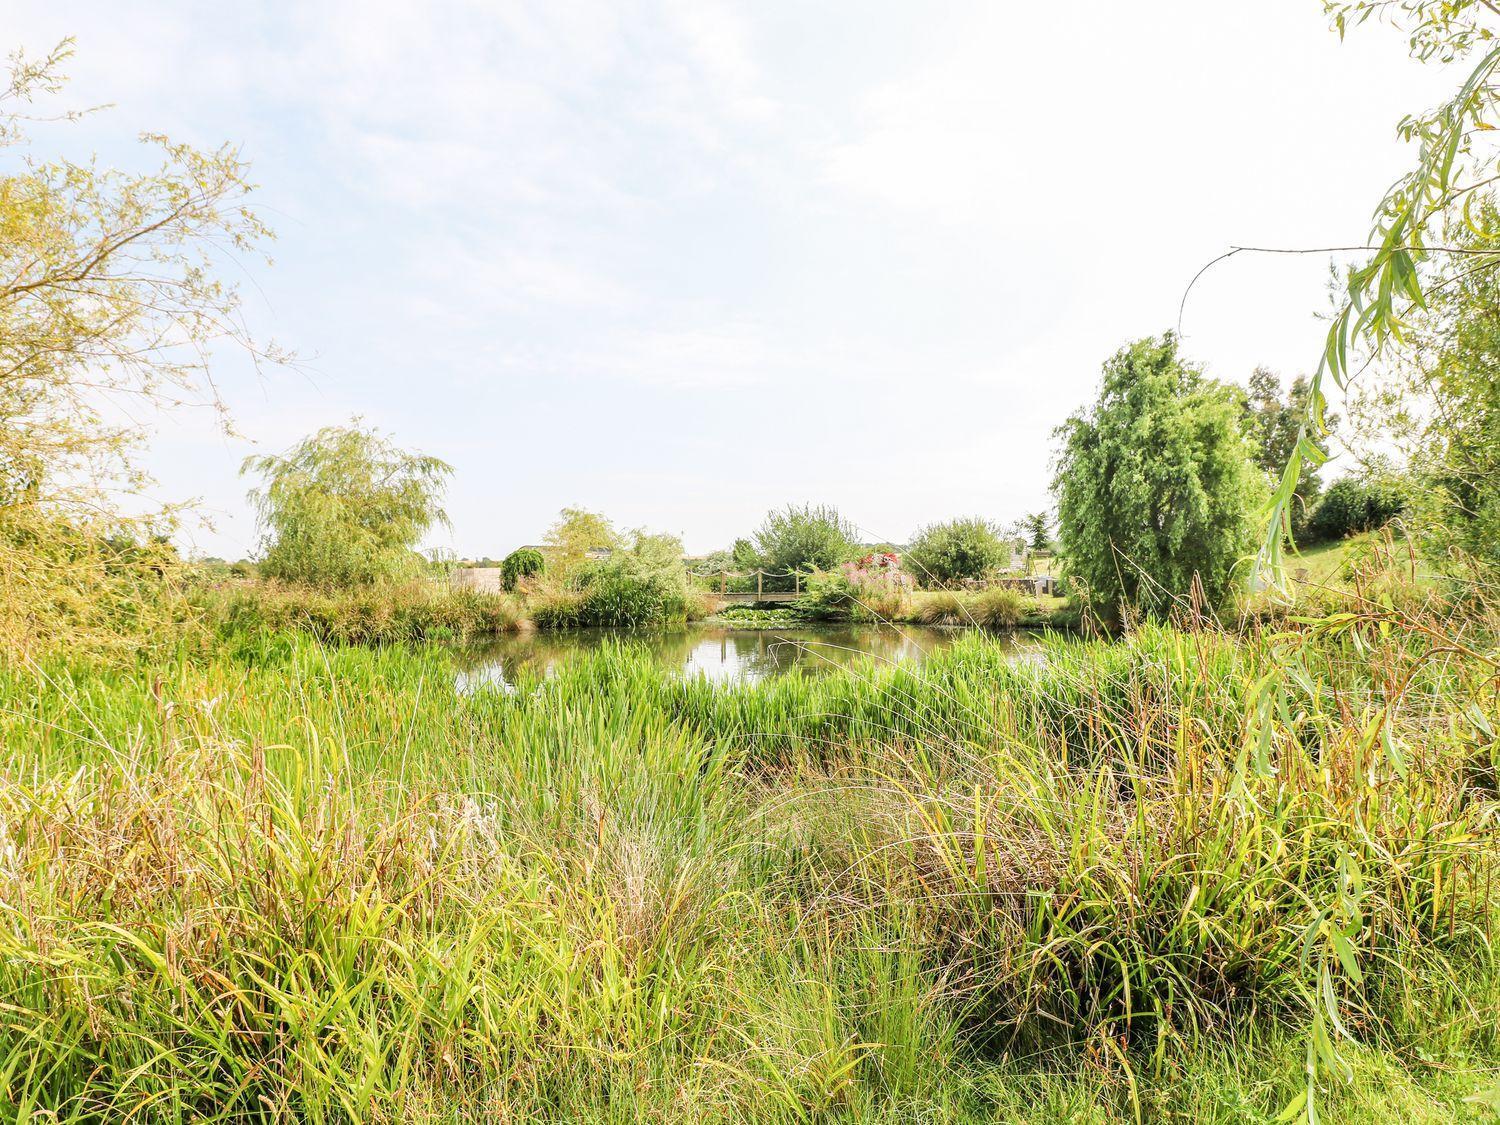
x: 760, y: 593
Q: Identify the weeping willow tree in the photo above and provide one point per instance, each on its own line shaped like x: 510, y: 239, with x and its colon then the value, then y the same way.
x: 345, y: 507
x: 110, y: 300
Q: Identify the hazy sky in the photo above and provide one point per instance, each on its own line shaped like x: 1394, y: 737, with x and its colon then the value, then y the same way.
x: 682, y: 261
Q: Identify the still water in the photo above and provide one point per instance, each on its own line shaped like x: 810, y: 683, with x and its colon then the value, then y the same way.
x: 719, y: 653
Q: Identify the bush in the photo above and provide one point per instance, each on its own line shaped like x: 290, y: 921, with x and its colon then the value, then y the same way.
x: 873, y: 589
x: 522, y: 563
x: 962, y: 550
x: 804, y: 538
x: 1000, y: 608
x: 643, y: 584
x: 1353, y: 505
x: 996, y: 608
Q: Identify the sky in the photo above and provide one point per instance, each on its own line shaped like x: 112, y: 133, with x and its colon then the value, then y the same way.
x: 683, y: 261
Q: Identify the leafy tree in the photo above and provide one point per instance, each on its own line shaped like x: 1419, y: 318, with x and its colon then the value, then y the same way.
x: 1038, y: 534
x: 110, y: 293
x: 804, y: 537
x: 1273, y: 423
x: 1355, y: 504
x: 958, y: 550
x: 1440, y: 403
x: 346, y: 507
x: 576, y: 533
x: 1456, y: 152
x: 524, y: 562
x: 1155, y: 484
x: 743, y: 555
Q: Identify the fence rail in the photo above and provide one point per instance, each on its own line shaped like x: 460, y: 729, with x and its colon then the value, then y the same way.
x: 761, y: 594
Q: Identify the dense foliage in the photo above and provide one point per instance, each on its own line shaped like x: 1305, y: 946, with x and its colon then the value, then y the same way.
x: 641, y: 582
x: 1273, y: 422
x: 576, y: 536
x: 246, y: 615
x: 524, y: 562
x: 1155, y: 487
x: 958, y: 550
x: 805, y: 537
x: 872, y: 588
x: 1355, y: 504
x: 345, y: 507
x: 1440, y: 403
x: 633, y: 896
x: 111, y: 300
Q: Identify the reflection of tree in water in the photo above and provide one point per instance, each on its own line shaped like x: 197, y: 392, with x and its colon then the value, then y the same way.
x: 720, y: 654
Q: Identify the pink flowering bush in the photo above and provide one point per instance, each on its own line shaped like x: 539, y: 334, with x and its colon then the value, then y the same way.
x: 873, y: 588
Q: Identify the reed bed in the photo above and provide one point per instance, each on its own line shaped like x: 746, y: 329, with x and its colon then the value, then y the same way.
x: 1108, y: 881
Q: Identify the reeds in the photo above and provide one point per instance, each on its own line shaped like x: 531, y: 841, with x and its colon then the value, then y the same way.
x: 319, y: 884
x: 377, y: 614
x: 993, y: 608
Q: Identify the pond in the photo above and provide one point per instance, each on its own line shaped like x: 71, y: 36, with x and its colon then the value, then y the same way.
x: 721, y: 653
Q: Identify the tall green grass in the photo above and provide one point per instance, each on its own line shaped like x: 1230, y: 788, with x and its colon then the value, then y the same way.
x: 1101, y: 882
x: 379, y: 614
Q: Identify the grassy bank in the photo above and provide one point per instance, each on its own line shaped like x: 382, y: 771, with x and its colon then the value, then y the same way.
x: 429, y: 610
x: 316, y: 882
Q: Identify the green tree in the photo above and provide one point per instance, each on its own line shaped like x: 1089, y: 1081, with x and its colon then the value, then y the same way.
x: 346, y: 507
x: 743, y: 555
x: 524, y: 562
x: 110, y: 297
x: 1273, y: 422
x: 1038, y: 534
x: 576, y: 533
x: 958, y: 550
x: 1440, y: 402
x: 804, y: 537
x: 1155, y: 484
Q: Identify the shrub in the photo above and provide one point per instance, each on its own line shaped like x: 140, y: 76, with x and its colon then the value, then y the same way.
x: 643, y: 584
x: 959, y: 550
x: 1353, y: 505
x: 875, y: 588
x: 999, y: 608
x: 996, y: 608
x: 524, y: 562
x: 804, y: 538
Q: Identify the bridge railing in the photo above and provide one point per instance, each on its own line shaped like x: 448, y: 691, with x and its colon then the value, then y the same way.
x: 722, y: 578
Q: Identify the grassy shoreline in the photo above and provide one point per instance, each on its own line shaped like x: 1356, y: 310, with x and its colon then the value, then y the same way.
x: 317, y: 882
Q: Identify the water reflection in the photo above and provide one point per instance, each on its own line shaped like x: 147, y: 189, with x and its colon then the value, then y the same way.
x: 716, y: 653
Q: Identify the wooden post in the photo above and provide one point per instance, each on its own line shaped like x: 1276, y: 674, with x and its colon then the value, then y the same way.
x: 723, y: 580
x: 760, y: 576
x: 796, y: 582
